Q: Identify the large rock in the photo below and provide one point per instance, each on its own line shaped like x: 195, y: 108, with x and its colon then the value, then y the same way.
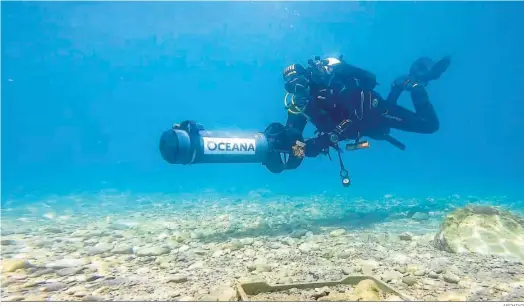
x: 482, y: 229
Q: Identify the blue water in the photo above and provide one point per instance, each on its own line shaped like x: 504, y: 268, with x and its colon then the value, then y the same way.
x: 87, y: 89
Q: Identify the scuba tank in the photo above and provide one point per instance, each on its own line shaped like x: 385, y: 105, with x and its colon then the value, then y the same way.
x: 323, y: 71
x: 364, y: 79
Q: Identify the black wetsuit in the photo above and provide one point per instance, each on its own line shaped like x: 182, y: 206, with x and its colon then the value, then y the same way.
x: 369, y: 114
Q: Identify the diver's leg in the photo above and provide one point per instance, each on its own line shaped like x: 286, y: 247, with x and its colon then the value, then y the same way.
x: 424, y: 120
x: 394, y: 94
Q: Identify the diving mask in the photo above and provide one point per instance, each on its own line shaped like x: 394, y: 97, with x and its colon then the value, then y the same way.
x: 322, y: 71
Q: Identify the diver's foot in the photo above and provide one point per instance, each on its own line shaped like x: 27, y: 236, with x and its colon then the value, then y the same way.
x: 424, y: 70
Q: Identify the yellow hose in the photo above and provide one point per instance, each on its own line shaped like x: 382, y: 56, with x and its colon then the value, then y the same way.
x: 288, y: 106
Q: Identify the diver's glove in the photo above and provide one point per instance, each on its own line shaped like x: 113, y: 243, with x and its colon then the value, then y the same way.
x: 406, y: 83
x: 317, y: 145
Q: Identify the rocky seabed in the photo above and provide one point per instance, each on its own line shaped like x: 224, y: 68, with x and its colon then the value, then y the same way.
x: 189, y: 249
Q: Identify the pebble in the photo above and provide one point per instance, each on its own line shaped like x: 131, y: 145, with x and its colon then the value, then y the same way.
x: 418, y: 216
x: 409, y: 280
x: 118, y: 226
x: 122, y: 249
x: 348, y: 271
x: 55, y: 286
x: 298, y: 233
x: 308, y: 247
x: 399, y: 258
x: 196, y: 265
x: 32, y: 284
x: 39, y: 273
x: 200, y: 252
x: 54, y: 230
x: 263, y: 268
x: 6, y: 242
x: 344, y: 254
x: 367, y: 265
x: 451, y: 278
x: 174, y: 294
x: 208, y: 298
x: 99, y: 249
x: 92, y: 298
x: 502, y: 287
x: 433, y: 275
x: 236, y: 245
x: 153, y: 251
x: 251, y: 267
x: 93, y: 277
x: 391, y: 275
x: 79, y: 294
x: 400, y: 269
x: 406, y: 236
x: 143, y: 270
x: 439, y: 264
x: 18, y: 277
x: 13, y: 265
x: 288, y: 241
x: 177, y: 279
x: 69, y: 271
x: 67, y: 263
x: 247, y: 241
x: 274, y: 246
x: 225, y: 294
x: 337, y: 233
x: 419, y: 273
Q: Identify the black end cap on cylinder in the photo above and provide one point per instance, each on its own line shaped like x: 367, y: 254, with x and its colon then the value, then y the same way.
x: 169, y: 147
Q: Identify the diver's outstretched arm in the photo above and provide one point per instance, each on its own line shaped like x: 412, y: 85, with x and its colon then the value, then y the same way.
x: 314, y: 146
x: 296, y: 121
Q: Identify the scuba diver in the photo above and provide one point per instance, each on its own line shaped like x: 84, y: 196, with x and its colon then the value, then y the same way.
x: 340, y: 101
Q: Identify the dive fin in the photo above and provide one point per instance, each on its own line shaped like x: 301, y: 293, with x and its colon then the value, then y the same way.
x: 439, y: 68
x: 425, y: 69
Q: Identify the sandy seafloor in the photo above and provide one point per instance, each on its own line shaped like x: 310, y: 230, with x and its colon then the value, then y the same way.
x: 120, y: 246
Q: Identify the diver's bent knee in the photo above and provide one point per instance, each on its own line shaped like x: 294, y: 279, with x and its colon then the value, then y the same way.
x: 432, y: 127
